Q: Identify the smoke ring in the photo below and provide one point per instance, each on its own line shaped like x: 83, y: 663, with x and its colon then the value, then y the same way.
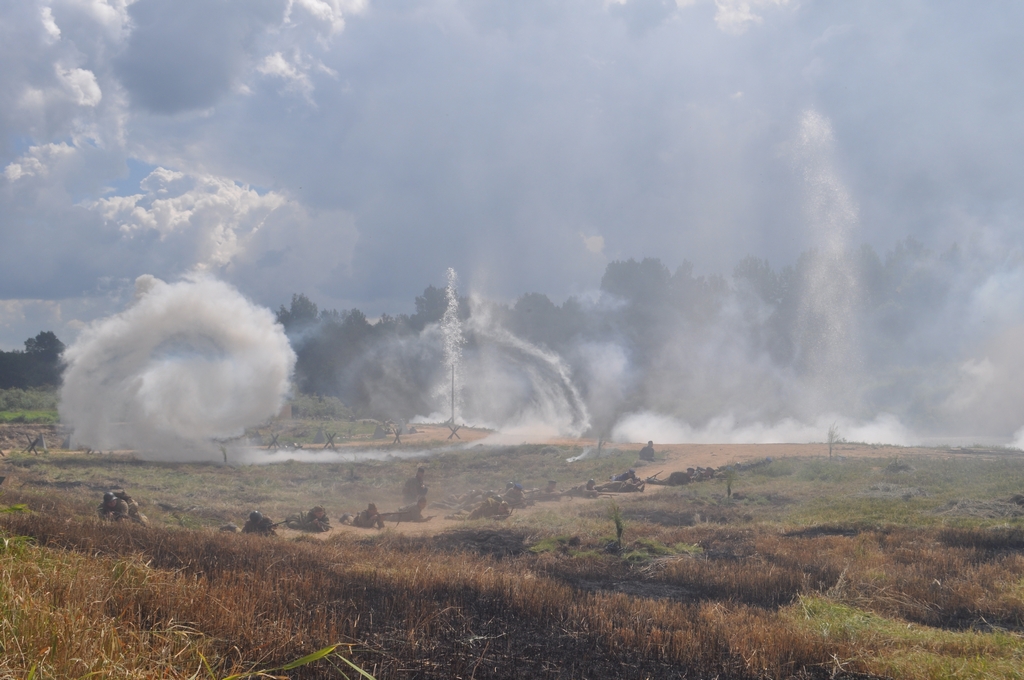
x: 187, y: 362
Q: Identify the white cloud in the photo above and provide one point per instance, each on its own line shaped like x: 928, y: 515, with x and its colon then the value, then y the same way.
x: 330, y: 12
x: 276, y: 65
x: 81, y: 84
x: 39, y: 160
x: 736, y: 16
x: 111, y: 15
x: 220, y: 215
x: 49, y: 25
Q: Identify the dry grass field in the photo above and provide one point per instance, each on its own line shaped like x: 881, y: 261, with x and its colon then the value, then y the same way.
x: 881, y: 562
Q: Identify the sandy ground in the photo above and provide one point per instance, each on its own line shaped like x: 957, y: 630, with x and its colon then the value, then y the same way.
x: 669, y: 457
x: 16, y: 436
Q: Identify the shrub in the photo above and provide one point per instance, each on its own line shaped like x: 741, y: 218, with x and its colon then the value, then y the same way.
x: 33, y: 399
x: 320, y: 408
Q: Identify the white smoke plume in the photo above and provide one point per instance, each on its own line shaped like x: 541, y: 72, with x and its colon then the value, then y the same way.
x: 185, y: 363
x: 520, y: 389
x: 883, y: 429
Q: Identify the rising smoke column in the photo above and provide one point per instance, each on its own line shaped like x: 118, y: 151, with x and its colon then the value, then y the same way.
x: 187, y: 362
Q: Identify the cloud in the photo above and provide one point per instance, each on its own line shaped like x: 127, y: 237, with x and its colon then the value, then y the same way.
x: 188, y: 54
x: 38, y: 161
x: 295, y: 72
x: 46, y: 14
x: 81, y: 85
x: 736, y: 16
x: 330, y: 12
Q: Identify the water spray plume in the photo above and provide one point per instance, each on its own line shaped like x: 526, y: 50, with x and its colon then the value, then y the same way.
x: 519, y: 388
x: 453, y: 338
x: 515, y: 387
x: 186, y: 363
x: 827, y: 315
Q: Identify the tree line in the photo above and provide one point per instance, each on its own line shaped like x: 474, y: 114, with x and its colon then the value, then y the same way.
x: 38, y: 365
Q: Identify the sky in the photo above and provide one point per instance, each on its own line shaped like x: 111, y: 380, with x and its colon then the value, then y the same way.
x: 353, y: 150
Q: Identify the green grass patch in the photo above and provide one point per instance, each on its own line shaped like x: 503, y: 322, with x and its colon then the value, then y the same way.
x: 644, y: 549
x: 39, y: 417
x: 906, y: 650
x: 554, y: 544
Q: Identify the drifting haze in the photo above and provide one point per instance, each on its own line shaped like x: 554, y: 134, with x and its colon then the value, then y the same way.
x: 354, y: 149
x: 910, y: 346
x: 186, y: 363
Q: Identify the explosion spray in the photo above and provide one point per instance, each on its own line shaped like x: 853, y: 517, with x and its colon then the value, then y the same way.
x: 519, y: 388
x: 453, y: 340
x: 186, y: 363
x: 827, y: 315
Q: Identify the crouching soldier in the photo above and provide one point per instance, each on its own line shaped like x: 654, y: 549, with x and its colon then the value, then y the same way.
x: 647, y: 453
x: 414, y: 488
x: 368, y: 518
x: 118, y: 506
x: 315, y: 520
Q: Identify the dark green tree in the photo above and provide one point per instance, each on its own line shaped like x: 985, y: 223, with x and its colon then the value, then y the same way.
x: 300, y: 316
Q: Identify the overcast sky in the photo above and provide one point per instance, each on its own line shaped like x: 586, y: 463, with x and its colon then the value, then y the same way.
x: 355, y: 149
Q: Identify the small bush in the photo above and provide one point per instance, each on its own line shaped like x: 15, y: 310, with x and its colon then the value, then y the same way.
x: 35, y: 399
x: 320, y: 408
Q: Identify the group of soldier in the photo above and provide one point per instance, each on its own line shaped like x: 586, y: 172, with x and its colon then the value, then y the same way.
x: 118, y: 505
x: 313, y: 520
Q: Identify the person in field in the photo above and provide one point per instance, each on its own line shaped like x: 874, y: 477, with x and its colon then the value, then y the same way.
x: 414, y: 488
x: 514, y: 495
x: 409, y: 513
x: 628, y: 475
x: 548, y: 493
x: 633, y: 485
x: 314, y: 520
x: 491, y: 507
x: 258, y: 524
x: 118, y: 506
x: 647, y: 453
x: 588, y: 490
x: 368, y: 518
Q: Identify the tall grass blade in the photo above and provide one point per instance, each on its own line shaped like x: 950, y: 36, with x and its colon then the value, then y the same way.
x: 358, y: 669
x: 309, y: 658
